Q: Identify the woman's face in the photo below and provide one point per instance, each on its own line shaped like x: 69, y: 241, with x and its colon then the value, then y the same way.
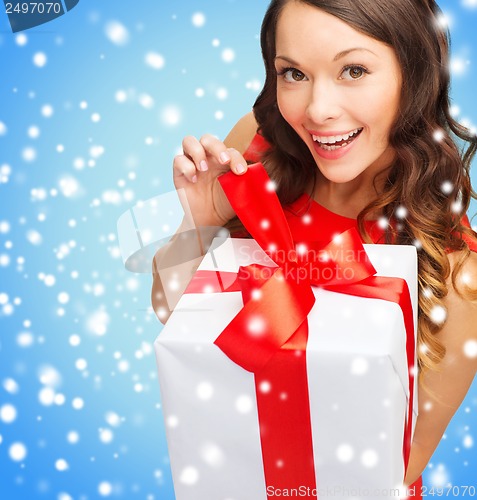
x: 339, y: 89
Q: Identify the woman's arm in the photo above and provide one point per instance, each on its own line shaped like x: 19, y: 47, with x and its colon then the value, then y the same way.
x: 456, y: 372
x: 242, y: 134
x: 175, y: 264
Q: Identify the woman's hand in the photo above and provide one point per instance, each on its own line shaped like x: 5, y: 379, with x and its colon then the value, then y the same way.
x: 197, y: 171
x: 207, y: 202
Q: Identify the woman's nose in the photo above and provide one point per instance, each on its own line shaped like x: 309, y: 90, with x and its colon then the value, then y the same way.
x: 324, y: 104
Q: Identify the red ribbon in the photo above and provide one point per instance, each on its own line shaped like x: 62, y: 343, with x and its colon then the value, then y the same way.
x: 269, y: 334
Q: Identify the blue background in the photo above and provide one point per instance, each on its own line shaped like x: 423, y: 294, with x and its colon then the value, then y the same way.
x: 73, y: 322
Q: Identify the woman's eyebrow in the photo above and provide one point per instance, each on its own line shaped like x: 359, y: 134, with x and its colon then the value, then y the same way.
x: 287, y: 59
x: 344, y: 53
x: 338, y: 56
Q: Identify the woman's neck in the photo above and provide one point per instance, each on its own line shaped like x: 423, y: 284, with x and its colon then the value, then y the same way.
x: 348, y: 199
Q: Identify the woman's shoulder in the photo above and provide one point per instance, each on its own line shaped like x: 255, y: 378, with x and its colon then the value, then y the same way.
x: 246, y: 138
x: 466, y: 278
x: 243, y: 135
x: 459, y: 335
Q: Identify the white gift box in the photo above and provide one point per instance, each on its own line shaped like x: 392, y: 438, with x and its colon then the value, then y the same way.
x: 357, y: 378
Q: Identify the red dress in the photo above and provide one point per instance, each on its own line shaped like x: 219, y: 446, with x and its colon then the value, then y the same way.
x: 305, y: 217
x: 301, y: 217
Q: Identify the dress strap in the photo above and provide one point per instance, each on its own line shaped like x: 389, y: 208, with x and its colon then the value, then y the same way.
x: 255, y: 150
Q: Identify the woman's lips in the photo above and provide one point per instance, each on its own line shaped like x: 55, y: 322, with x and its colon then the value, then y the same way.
x: 337, y: 149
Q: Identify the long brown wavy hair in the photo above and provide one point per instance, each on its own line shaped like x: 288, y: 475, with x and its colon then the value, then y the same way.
x: 425, y: 138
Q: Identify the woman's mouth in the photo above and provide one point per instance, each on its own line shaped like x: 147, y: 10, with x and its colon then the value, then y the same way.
x: 332, y: 143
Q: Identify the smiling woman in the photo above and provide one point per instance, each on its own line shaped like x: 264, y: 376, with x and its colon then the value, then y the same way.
x: 334, y: 68
x: 354, y: 128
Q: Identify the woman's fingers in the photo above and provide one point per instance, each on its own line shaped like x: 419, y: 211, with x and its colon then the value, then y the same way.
x: 201, y: 155
x: 225, y: 156
x: 194, y: 150
x: 237, y: 162
x: 183, y: 166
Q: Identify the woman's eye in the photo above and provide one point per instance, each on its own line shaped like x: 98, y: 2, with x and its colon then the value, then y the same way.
x: 353, y: 72
x: 293, y: 75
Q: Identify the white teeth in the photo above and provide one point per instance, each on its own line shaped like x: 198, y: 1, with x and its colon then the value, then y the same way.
x: 335, y: 138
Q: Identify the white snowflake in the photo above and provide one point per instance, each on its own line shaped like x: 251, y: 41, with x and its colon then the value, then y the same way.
x: 154, y: 60
x: 345, y: 453
x: 228, y: 55
x: 468, y: 441
x: 459, y: 66
x: 106, y: 435
x: 120, y: 96
x: 98, y: 322
x: 198, y: 19
x: 401, y: 212
x: 256, y: 326
x: 25, y: 339
x: 172, y: 421
x: 470, y: 348
x: 105, y: 488
x: 212, y: 454
x: 8, y: 413
x: 61, y: 465
x: 21, y: 39
x: 369, y: 458
x: 171, y: 116
x: 113, y: 419
x: 439, y: 477
x: 72, y: 437
x: 244, y: 404
x: 438, y: 135
x: 222, y: 93
x: 34, y: 237
x: 47, y: 110
x: 205, y: 391
x: 39, y: 59
x: 33, y: 132
x: 359, y: 366
x: 265, y: 387
x: 29, y: 154
x: 77, y: 403
x: 146, y: 101
x: 189, y: 475
x: 117, y: 33
x: 11, y: 386
x: 17, y: 451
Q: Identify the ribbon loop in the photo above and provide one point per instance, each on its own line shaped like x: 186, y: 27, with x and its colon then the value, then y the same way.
x: 257, y: 332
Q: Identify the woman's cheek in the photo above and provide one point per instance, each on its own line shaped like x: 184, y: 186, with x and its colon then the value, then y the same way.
x: 289, y: 107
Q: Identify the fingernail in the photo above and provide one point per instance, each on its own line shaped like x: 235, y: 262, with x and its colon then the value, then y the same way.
x: 204, y: 166
x: 224, y: 157
x: 240, y: 168
x: 194, y: 179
